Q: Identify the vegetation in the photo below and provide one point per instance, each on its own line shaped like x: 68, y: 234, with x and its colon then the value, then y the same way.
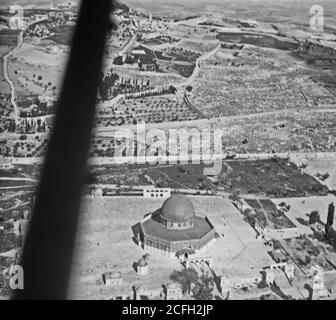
x: 200, y: 286
x: 186, y: 278
x: 314, y: 217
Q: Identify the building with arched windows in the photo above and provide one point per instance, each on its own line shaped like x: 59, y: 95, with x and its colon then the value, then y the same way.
x: 173, y: 228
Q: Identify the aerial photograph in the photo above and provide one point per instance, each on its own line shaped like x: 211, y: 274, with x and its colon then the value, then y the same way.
x: 211, y: 171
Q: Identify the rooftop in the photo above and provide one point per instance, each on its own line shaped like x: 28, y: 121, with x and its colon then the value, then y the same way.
x: 178, y: 208
x: 156, y: 229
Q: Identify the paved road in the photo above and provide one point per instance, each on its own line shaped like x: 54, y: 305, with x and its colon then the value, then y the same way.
x: 197, y: 69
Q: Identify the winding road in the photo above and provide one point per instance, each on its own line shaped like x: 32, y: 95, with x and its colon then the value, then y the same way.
x: 6, y: 57
x: 16, y: 114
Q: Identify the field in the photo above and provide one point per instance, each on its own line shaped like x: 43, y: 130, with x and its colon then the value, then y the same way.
x: 305, y: 131
x: 164, y: 108
x: 269, y: 215
x: 35, y: 69
x: 255, y: 81
x: 182, y: 54
x: 27, y: 146
x: 307, y: 253
x: 201, y: 46
x: 319, y: 166
x: 265, y: 11
x: 285, y: 133
x: 62, y: 34
x: 273, y: 178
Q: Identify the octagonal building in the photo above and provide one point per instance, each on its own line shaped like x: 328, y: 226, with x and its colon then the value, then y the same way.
x: 173, y: 228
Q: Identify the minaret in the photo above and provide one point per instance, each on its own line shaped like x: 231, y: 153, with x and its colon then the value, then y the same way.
x: 150, y: 17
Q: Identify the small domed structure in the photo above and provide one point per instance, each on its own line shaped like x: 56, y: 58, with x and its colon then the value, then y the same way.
x: 142, y: 263
x: 142, y: 267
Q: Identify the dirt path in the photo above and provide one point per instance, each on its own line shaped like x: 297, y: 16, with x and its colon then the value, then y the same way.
x: 129, y: 44
x: 198, y: 66
x: 16, y: 114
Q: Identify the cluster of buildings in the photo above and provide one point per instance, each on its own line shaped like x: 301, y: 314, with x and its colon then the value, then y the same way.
x: 269, y: 222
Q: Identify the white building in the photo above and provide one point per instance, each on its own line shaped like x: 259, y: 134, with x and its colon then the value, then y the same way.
x: 112, y: 278
x: 142, y: 267
x: 156, y: 192
x: 173, y: 291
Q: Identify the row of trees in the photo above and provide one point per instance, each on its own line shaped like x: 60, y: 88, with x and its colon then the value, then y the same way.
x: 106, y: 85
x: 329, y: 231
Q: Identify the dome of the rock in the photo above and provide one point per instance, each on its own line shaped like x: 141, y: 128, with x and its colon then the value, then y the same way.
x: 178, y: 208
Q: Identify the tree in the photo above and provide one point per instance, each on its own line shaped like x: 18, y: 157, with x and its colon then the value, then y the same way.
x: 314, y: 217
x: 331, y: 211
x: 172, y: 89
x: 203, y: 289
x: 186, y: 278
x: 106, y: 84
x: 235, y: 197
x: 328, y: 232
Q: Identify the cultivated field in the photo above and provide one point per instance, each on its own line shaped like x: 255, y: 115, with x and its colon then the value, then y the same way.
x: 37, y: 69
x: 273, y: 178
x: 156, y: 109
x: 247, y: 81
